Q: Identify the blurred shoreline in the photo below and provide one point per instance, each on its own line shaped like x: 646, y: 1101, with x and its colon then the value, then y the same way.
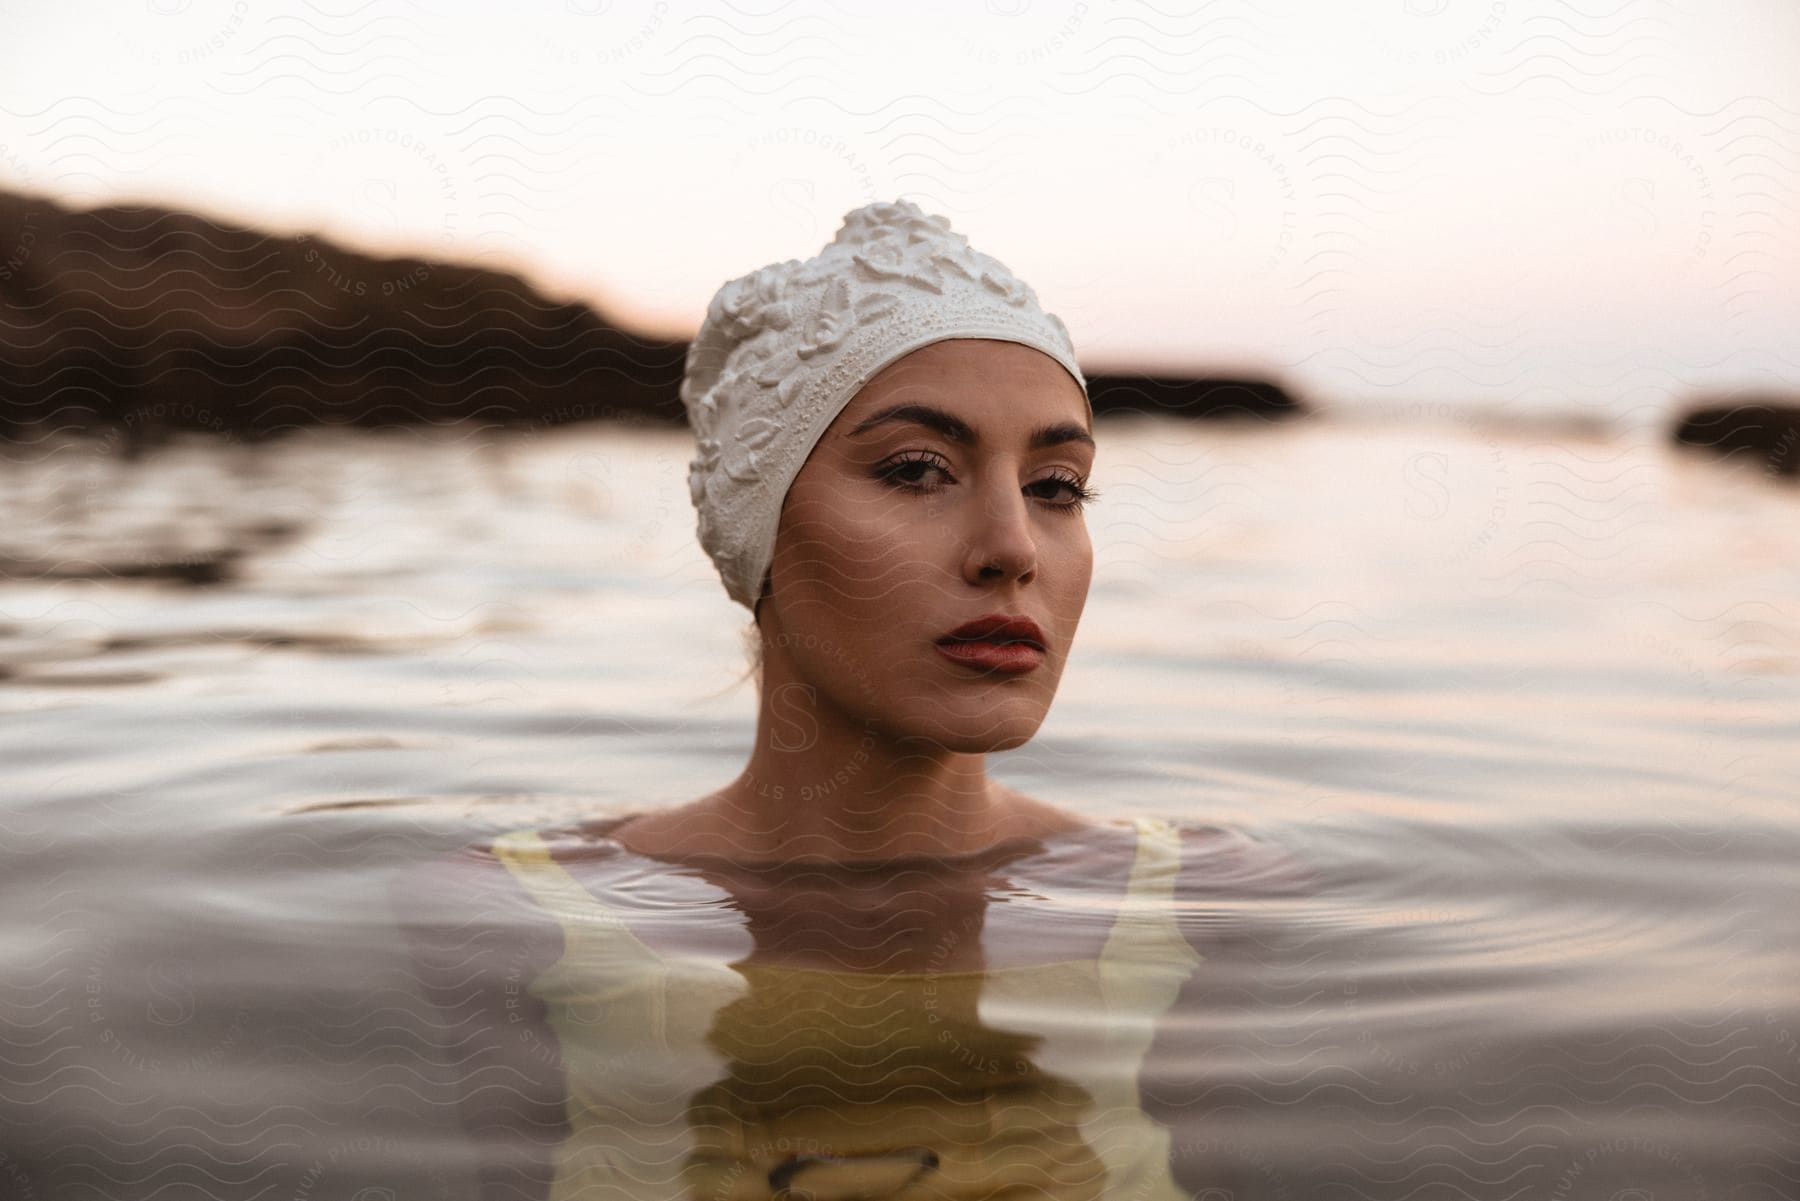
x: 138, y: 321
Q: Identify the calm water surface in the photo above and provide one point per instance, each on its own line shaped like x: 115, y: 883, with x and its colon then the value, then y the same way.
x: 1525, y: 706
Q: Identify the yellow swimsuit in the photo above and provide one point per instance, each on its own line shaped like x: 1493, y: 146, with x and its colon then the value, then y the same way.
x: 696, y: 1079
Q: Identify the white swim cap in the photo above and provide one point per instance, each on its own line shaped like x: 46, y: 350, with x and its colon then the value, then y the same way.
x: 786, y: 347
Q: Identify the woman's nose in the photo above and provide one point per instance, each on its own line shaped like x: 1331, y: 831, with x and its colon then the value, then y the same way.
x: 1000, y: 541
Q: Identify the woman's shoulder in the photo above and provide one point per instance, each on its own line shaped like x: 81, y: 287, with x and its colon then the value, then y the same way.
x: 665, y: 833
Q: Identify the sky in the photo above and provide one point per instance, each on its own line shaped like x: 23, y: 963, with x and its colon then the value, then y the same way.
x: 1532, y: 208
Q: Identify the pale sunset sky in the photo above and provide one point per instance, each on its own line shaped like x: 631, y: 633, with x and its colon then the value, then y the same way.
x: 1536, y: 207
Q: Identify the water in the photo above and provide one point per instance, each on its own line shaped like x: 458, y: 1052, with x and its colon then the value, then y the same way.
x: 1520, y: 704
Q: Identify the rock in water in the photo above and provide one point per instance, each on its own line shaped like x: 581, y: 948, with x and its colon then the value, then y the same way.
x: 1765, y: 426
x: 1220, y: 397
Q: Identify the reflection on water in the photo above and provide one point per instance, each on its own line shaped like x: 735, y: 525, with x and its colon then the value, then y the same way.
x: 1482, y: 747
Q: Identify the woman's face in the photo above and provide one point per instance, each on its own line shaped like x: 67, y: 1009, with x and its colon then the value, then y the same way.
x: 945, y: 491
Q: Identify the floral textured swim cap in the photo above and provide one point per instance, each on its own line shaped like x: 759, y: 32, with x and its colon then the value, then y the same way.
x: 785, y: 348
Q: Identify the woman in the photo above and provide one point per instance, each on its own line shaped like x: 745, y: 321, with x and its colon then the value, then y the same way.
x: 949, y: 489
x: 862, y: 968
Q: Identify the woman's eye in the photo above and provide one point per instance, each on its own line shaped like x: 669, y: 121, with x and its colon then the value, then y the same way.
x: 1075, y: 493
x: 915, y: 475
x: 912, y: 473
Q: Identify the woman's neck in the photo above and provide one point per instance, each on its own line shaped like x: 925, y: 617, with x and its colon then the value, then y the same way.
x: 846, y: 795
x: 867, y: 798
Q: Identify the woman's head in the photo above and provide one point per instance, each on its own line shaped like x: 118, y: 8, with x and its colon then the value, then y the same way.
x: 950, y: 488
x: 784, y: 383
x: 783, y: 349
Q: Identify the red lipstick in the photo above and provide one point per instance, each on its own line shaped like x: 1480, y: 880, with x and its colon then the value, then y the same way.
x: 995, y: 642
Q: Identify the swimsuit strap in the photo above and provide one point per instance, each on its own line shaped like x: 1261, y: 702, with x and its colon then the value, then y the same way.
x: 1141, y: 972
x: 528, y: 857
x: 1147, y: 919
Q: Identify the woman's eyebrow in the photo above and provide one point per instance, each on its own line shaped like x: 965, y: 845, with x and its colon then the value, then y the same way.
x: 957, y: 430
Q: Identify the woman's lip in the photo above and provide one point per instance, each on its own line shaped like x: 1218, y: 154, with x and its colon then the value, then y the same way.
x: 998, y: 627
x: 1012, y: 658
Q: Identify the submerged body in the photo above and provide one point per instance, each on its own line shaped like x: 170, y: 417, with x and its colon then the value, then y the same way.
x: 966, y: 1026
